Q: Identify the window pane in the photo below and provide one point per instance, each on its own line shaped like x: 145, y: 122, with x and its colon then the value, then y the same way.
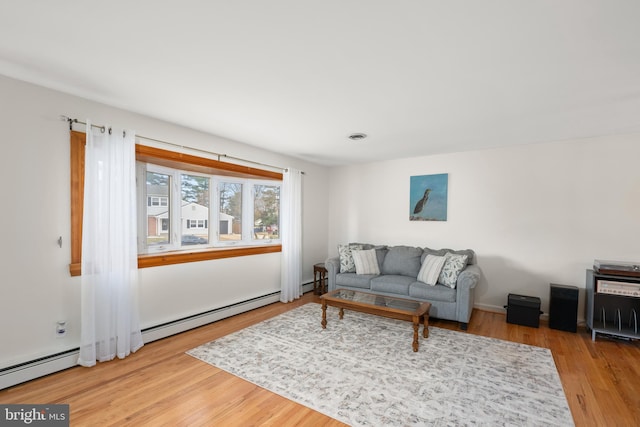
x: 158, y: 217
x: 195, y: 209
x: 230, y: 227
x: 266, y: 212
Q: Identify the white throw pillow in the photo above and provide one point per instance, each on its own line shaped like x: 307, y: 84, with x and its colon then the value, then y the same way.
x: 366, y: 261
x: 453, y: 265
x: 430, y: 269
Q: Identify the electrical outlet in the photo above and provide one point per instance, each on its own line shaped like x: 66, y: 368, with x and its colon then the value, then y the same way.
x: 61, y: 328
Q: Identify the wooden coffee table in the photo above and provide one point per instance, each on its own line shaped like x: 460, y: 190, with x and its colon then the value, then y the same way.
x: 395, y: 308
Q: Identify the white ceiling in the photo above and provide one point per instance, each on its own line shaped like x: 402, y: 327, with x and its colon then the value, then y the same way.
x: 295, y: 76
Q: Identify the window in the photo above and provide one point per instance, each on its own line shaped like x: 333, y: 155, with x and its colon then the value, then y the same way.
x: 246, y: 211
x: 157, y: 201
x: 175, y: 160
x: 196, y: 223
x: 158, y: 215
x: 194, y: 209
x: 266, y: 211
x: 230, y: 202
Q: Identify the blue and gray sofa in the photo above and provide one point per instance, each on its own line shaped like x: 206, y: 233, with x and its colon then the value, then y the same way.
x: 399, y: 268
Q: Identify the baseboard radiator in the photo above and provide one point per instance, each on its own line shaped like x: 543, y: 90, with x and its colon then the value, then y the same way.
x: 27, y: 371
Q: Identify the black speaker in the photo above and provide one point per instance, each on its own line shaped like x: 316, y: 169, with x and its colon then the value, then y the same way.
x: 563, y: 308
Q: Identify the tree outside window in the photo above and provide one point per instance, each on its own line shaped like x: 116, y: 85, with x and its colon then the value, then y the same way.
x: 266, y: 211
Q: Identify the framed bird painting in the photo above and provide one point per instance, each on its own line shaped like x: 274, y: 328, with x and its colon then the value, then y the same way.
x: 428, y: 197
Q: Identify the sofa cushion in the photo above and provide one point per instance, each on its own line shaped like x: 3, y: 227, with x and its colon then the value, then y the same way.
x: 442, y: 252
x: 393, y: 284
x: 453, y: 265
x: 366, y: 261
x: 346, y: 258
x: 381, y: 253
x: 354, y: 280
x: 402, y: 260
x: 431, y: 268
x: 421, y: 290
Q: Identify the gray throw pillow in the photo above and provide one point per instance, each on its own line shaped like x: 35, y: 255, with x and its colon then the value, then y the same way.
x: 402, y: 260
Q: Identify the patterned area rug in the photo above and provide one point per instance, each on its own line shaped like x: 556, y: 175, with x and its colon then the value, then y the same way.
x: 362, y: 371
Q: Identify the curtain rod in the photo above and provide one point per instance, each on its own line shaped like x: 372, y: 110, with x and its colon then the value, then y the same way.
x: 220, y: 155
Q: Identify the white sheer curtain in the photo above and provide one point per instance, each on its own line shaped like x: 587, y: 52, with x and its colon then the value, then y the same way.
x: 291, y: 225
x: 110, y: 324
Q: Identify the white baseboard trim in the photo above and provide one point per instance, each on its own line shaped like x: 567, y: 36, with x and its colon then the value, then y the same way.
x: 191, y: 322
x: 38, y: 368
x: 28, y: 371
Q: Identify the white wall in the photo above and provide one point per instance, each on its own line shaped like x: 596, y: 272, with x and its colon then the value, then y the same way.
x: 36, y: 289
x: 535, y: 214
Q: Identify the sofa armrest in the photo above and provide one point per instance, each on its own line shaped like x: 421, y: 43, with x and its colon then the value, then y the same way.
x: 333, y: 267
x: 467, y: 281
x: 469, y: 277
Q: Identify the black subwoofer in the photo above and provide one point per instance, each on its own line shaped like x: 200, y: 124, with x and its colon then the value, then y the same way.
x: 563, y: 308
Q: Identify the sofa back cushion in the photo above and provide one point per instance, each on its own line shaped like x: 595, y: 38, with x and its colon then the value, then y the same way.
x: 471, y: 255
x: 381, y: 253
x: 402, y: 260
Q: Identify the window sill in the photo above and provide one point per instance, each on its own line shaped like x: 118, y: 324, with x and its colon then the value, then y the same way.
x: 168, y: 258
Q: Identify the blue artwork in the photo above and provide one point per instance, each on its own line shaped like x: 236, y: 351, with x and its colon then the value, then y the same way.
x: 428, y: 197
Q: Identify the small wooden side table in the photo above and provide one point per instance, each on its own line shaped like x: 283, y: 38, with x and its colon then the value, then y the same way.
x: 319, y: 286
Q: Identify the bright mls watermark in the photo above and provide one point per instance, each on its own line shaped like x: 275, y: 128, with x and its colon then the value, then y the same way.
x: 34, y: 415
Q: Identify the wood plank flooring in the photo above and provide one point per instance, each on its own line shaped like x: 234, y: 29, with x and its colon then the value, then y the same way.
x: 160, y: 385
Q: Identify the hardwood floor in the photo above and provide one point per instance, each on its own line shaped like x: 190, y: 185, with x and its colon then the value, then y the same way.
x: 161, y: 385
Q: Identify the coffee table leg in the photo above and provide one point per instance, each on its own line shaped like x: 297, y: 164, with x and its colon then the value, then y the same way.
x: 341, y: 313
x: 416, y: 326
x: 324, y: 314
x: 425, y: 330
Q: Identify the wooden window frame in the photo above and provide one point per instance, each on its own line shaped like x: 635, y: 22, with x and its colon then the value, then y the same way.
x: 170, y: 159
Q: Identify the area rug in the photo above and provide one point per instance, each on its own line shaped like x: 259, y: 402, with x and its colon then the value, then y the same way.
x: 362, y: 371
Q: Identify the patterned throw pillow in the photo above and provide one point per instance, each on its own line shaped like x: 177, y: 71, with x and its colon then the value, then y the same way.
x: 366, y: 261
x: 453, y: 265
x: 430, y: 269
x: 346, y: 258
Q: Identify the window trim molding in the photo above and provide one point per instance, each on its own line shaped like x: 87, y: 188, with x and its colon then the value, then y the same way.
x: 170, y: 159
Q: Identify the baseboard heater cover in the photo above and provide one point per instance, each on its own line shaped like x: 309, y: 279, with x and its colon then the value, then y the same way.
x: 46, y: 365
x: 181, y: 325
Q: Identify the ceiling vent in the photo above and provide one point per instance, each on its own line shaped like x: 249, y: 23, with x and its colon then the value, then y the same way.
x: 357, y: 136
